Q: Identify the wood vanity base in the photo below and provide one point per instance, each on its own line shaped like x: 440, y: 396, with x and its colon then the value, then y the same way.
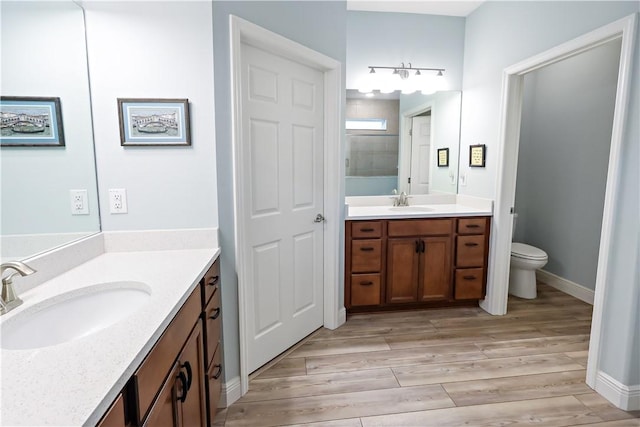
x: 405, y: 264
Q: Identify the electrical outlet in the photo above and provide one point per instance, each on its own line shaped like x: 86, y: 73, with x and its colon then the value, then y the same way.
x: 79, y: 202
x: 117, y: 200
x: 463, y: 179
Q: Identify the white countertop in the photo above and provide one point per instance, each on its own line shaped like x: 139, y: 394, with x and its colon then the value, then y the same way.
x: 414, y: 211
x: 74, y: 383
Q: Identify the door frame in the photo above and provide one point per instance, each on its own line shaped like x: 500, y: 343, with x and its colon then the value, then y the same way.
x: 242, y: 31
x: 508, y: 144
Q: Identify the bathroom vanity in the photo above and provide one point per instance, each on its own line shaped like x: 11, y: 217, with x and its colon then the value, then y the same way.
x: 420, y: 256
x: 160, y: 364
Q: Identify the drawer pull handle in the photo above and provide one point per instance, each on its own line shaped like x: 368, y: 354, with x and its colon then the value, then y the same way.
x: 472, y: 226
x: 218, y: 373
x: 469, y: 277
x: 183, y: 380
x: 369, y: 283
x: 187, y: 366
x: 367, y: 230
x: 216, y: 314
x: 213, y: 281
x: 366, y: 249
x: 471, y: 244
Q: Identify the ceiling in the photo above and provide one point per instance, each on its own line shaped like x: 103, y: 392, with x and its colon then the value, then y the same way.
x: 442, y: 7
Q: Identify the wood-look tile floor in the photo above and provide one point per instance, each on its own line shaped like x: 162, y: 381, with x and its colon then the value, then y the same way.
x: 440, y: 367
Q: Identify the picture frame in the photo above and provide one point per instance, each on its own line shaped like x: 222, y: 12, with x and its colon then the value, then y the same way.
x: 477, y: 155
x: 154, y: 122
x: 31, y: 121
x: 443, y: 157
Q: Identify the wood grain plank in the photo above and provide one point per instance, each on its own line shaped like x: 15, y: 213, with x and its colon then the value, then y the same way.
x: 579, y: 356
x: 316, y: 385
x: 530, y: 346
x: 605, y: 410
x: 337, y: 406
x: 393, y: 358
x: 461, y: 337
x: 374, y: 330
x: 351, y: 422
x: 619, y: 423
x: 284, y: 368
x: 341, y: 346
x: 517, y: 388
x: 556, y: 411
x: 484, y: 369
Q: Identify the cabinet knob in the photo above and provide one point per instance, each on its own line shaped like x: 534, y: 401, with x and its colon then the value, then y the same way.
x: 469, y: 277
x: 472, y: 226
x: 367, y: 230
x: 366, y: 249
x: 213, y: 281
x: 187, y: 366
x: 369, y: 283
x: 218, y: 373
x: 471, y: 244
x: 216, y: 314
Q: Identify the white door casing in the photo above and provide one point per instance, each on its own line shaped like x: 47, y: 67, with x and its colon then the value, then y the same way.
x: 510, y: 112
x: 282, y: 149
x: 245, y: 33
x: 420, y: 154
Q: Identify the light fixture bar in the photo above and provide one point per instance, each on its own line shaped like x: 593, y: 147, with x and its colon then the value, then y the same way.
x: 409, y: 68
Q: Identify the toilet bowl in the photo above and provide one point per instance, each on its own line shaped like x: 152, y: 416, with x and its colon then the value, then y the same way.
x: 525, y: 260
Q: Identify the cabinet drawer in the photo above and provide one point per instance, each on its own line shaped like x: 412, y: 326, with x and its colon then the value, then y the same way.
x: 470, y: 251
x: 472, y: 225
x: 115, y: 415
x: 214, y: 384
x: 366, y: 255
x: 365, y: 289
x: 151, y: 374
x: 366, y: 229
x: 210, y: 282
x: 212, y: 326
x: 468, y: 283
x: 420, y: 227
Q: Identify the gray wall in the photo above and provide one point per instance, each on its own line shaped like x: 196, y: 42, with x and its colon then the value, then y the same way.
x: 318, y: 25
x: 387, y: 39
x: 500, y: 34
x: 565, y: 138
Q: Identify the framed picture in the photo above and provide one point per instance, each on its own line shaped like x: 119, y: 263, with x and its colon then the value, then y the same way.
x: 443, y: 157
x: 27, y: 121
x: 154, y: 122
x: 477, y: 155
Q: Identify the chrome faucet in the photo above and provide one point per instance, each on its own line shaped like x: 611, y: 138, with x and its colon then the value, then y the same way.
x: 9, y: 299
x: 400, y: 200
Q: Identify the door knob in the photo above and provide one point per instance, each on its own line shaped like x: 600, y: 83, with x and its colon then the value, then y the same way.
x: 319, y: 218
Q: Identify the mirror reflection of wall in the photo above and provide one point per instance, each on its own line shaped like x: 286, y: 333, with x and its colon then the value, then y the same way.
x: 44, y: 55
x: 390, y: 39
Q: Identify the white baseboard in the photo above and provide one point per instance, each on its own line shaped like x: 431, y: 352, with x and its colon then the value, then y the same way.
x: 624, y: 397
x: 567, y: 286
x: 342, y: 316
x: 231, y: 392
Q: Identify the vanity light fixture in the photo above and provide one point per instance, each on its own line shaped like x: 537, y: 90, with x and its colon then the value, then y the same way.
x: 426, y: 82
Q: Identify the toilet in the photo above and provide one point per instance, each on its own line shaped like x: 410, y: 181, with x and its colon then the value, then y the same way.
x: 525, y: 260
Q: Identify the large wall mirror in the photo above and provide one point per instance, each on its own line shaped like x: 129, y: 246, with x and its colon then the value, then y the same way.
x: 418, y: 151
x: 402, y: 142
x: 44, y: 55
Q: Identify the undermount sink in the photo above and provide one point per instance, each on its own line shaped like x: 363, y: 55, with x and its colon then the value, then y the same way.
x: 411, y: 209
x: 73, y: 315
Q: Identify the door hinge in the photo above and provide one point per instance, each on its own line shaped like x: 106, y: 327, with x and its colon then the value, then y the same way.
x: 409, y: 180
x: 410, y: 132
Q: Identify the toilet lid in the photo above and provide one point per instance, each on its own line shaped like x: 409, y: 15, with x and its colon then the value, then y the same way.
x: 526, y: 251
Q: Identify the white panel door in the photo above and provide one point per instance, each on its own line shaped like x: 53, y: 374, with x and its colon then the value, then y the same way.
x: 420, y: 154
x: 282, y: 155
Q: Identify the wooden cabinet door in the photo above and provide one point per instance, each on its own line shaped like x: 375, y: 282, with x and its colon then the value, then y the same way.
x: 435, y: 269
x: 165, y: 409
x: 191, y: 362
x: 402, y: 270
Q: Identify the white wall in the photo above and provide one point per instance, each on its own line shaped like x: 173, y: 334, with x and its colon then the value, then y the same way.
x: 154, y: 50
x: 43, y: 55
x: 499, y: 34
x: 565, y: 139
